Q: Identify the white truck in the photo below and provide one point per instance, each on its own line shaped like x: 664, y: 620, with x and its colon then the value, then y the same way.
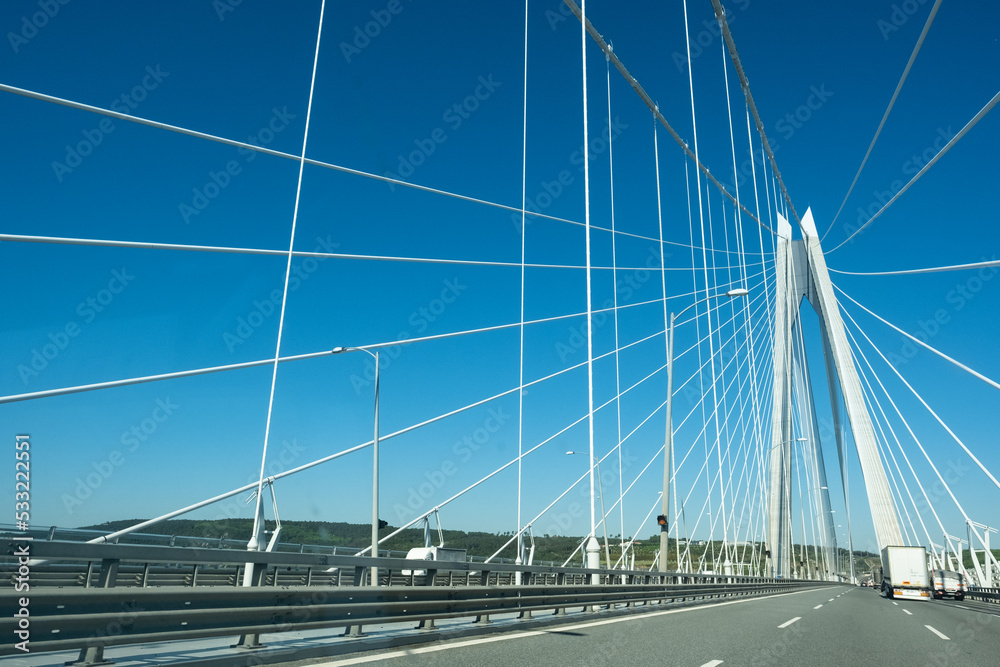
x: 439, y: 554
x: 904, y: 573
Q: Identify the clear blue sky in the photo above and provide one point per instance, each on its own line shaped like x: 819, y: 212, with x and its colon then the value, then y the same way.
x: 433, y: 95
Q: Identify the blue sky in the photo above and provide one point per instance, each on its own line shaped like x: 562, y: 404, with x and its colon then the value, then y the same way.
x: 433, y: 95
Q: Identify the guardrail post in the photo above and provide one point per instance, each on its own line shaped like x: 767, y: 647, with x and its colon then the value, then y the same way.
x: 91, y: 656
x: 523, y: 614
x: 359, y: 580
x: 425, y: 624
x: 251, y: 642
x: 484, y: 579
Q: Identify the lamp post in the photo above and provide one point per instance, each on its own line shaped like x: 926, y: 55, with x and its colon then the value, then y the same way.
x: 604, y: 516
x: 669, y: 443
x: 803, y: 550
x: 374, y: 355
x: 818, y: 517
x: 788, y: 488
x: 841, y: 560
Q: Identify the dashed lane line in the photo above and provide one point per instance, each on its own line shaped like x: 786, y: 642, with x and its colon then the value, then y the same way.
x: 938, y: 633
x: 535, y: 633
x: 797, y: 618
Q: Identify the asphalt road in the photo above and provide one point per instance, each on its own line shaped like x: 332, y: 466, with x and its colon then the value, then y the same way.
x: 831, y: 626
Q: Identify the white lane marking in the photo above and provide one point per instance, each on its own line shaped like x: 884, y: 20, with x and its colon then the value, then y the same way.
x: 960, y: 606
x: 536, y: 633
x: 830, y: 600
x: 895, y: 603
x: 945, y: 637
x: 817, y: 606
x: 908, y: 612
x: 712, y: 664
x: 787, y: 623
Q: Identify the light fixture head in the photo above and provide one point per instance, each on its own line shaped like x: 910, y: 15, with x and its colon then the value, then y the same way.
x: 738, y: 292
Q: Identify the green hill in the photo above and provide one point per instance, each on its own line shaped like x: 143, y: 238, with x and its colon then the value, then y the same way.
x: 548, y: 548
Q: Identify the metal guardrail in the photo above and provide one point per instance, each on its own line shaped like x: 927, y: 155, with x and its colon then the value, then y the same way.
x: 983, y: 594
x: 104, y: 615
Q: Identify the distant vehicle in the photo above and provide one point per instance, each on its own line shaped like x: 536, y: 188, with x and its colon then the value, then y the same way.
x: 947, y: 583
x: 904, y: 573
x: 439, y: 554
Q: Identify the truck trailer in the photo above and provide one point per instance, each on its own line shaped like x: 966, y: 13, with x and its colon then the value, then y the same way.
x: 438, y: 554
x: 904, y: 573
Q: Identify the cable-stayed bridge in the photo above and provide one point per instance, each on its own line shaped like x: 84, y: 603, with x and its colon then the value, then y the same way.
x: 567, y: 268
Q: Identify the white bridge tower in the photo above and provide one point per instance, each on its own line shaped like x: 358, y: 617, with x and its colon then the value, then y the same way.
x: 801, y: 272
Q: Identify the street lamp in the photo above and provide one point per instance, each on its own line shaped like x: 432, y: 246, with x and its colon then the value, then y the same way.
x: 669, y: 444
x: 604, y: 516
x: 787, y: 491
x: 374, y: 355
x: 818, y: 517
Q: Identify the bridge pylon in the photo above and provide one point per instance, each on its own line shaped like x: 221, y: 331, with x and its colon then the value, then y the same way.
x: 801, y: 272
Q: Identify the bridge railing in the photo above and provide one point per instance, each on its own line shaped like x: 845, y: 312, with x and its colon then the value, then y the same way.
x: 63, y: 534
x: 304, y: 591
x: 113, y: 565
x: 983, y: 594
